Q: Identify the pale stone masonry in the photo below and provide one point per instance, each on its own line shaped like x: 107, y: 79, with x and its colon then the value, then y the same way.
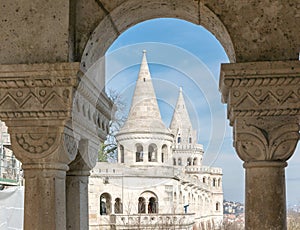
x: 48, y: 47
x: 159, y: 180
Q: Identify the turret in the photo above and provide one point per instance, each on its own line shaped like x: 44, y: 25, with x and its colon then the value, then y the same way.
x: 144, y: 139
x: 186, y: 151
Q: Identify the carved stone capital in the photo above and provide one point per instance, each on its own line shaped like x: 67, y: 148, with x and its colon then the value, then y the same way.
x: 261, y: 89
x: 41, y: 145
x: 263, y: 106
x: 265, y: 138
x: 49, y: 108
x: 36, y: 104
x: 35, y: 92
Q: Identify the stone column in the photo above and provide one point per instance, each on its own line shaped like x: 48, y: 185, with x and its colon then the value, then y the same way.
x: 77, y: 200
x: 91, y: 108
x: 263, y: 107
x: 77, y: 188
x: 35, y: 103
x: 45, y: 196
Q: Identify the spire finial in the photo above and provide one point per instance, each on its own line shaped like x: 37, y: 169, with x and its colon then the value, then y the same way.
x: 180, y: 89
x: 144, y: 51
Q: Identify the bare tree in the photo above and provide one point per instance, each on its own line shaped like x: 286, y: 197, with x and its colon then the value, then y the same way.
x: 108, y: 149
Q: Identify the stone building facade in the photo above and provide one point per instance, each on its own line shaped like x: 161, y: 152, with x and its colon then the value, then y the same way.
x: 52, y: 102
x: 10, y: 167
x: 159, y: 179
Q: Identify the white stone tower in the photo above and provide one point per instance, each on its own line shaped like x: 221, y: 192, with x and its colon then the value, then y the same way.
x: 144, y: 139
x: 186, y: 151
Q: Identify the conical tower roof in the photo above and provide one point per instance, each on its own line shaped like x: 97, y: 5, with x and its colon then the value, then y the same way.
x: 181, y: 123
x: 144, y: 115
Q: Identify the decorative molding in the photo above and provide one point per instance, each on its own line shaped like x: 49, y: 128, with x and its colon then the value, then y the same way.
x: 265, y: 139
x: 263, y: 106
x: 37, y: 91
x: 46, y: 106
x: 261, y: 89
x: 35, y: 144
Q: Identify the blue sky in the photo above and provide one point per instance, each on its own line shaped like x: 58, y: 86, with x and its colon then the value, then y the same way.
x: 183, y: 54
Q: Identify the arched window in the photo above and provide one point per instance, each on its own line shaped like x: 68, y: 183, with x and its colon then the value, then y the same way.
x: 180, y: 198
x: 164, y: 152
x: 219, y: 182
x: 152, y: 153
x: 174, y: 161
x: 139, y: 153
x: 152, y: 205
x: 204, y: 180
x: 190, y: 140
x: 118, y: 207
x: 214, y: 182
x: 195, y: 161
x: 178, y: 140
x: 217, y: 206
x: 179, y: 161
x: 175, y: 196
x: 142, y: 205
x: 189, y: 161
x: 105, y: 204
x: 122, y: 153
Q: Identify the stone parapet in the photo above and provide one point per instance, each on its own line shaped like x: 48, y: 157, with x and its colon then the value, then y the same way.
x: 145, y: 221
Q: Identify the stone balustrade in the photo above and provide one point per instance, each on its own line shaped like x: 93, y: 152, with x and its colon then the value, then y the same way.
x: 145, y: 221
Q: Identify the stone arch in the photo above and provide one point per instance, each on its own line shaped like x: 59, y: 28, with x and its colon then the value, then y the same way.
x: 179, y: 161
x: 141, y: 205
x: 189, y: 161
x: 105, y: 204
x: 152, y: 201
x: 139, y: 152
x: 218, y: 206
x: 118, y: 206
x: 122, y: 154
x: 133, y: 12
x: 152, y: 205
x: 178, y: 140
x: 174, y: 161
x: 214, y: 182
x: 219, y: 182
x: 152, y: 153
x: 164, y: 153
x: 180, y: 197
x: 195, y: 161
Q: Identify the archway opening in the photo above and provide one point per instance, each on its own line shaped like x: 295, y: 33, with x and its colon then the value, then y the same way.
x: 105, y: 204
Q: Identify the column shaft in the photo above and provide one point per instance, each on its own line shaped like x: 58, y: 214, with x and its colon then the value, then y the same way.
x: 77, y: 202
x: 265, y: 196
x: 44, y: 198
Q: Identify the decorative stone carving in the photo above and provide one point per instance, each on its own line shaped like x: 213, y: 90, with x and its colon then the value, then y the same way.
x: 92, y: 109
x: 37, y: 90
x: 36, y: 102
x: 263, y: 101
x: 265, y: 138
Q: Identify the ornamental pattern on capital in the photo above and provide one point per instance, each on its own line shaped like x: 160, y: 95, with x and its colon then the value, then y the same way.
x: 261, y: 89
x: 37, y: 91
x: 263, y: 97
x: 35, y: 145
x: 264, y: 139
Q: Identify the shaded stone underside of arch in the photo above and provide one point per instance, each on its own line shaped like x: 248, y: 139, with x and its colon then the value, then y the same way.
x: 60, y: 31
